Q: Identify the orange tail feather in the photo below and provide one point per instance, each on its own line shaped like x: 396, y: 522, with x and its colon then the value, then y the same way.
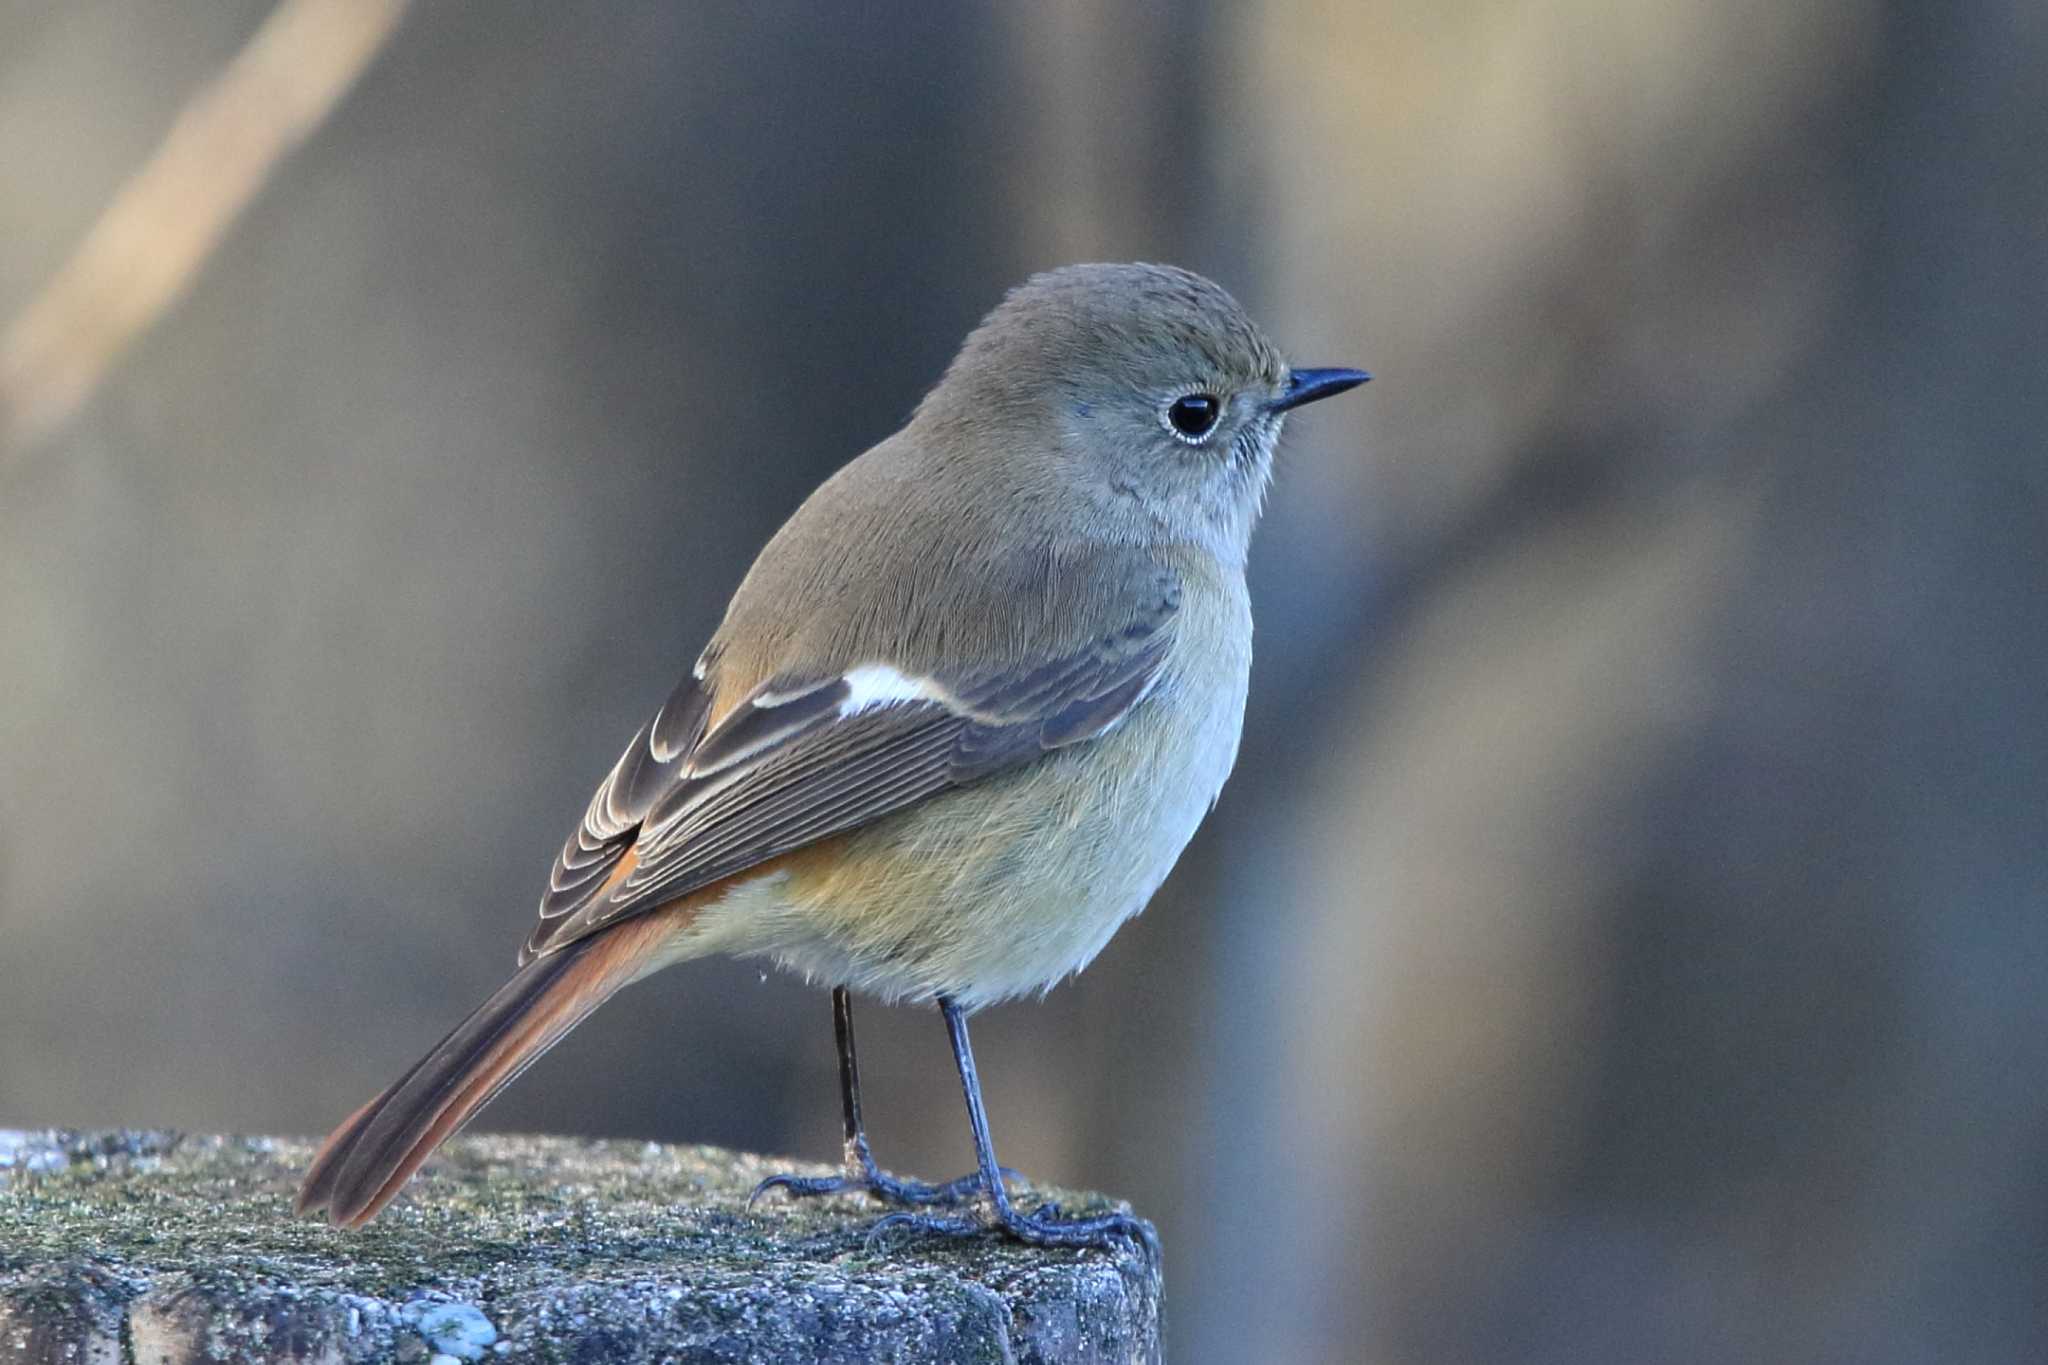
x: 370, y: 1156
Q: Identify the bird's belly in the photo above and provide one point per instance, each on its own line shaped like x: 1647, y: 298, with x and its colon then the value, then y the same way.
x: 1003, y: 888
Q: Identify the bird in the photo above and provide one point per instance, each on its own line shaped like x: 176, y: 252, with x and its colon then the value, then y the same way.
x: 957, y: 724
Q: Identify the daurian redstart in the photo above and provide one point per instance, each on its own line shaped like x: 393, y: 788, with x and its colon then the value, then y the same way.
x: 959, y: 721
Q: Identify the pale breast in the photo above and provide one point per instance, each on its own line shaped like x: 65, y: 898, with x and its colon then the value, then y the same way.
x: 1005, y: 887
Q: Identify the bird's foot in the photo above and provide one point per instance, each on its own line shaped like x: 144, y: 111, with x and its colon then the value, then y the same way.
x: 863, y: 1176
x: 876, y: 1184
x: 1045, y: 1226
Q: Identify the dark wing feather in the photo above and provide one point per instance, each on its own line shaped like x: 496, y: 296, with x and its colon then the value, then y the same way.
x: 792, y: 765
x: 645, y: 773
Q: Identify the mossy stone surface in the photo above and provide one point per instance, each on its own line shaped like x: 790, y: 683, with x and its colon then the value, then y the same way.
x: 160, y: 1247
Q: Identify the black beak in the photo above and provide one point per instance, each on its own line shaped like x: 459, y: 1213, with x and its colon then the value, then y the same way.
x: 1306, y: 386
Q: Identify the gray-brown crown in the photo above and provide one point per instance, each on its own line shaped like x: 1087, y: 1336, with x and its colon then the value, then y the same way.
x: 1075, y: 327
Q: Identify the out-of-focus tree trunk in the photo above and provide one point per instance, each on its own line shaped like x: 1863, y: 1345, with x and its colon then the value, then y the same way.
x: 1695, y: 794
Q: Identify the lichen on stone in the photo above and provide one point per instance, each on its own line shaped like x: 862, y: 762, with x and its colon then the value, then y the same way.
x: 159, y: 1246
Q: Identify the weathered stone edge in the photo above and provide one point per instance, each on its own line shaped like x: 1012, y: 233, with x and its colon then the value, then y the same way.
x: 91, y: 1308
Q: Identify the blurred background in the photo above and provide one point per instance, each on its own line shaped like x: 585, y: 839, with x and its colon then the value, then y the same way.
x: 1624, y: 937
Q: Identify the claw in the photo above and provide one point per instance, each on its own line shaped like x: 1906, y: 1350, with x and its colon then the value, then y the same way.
x: 799, y: 1186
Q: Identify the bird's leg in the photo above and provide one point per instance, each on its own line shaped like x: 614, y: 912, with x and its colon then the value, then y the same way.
x: 861, y: 1174
x: 1045, y: 1225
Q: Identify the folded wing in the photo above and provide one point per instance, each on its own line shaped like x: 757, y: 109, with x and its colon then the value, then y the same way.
x: 807, y: 757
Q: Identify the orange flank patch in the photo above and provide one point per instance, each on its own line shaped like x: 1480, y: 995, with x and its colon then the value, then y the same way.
x: 807, y: 867
x: 621, y: 870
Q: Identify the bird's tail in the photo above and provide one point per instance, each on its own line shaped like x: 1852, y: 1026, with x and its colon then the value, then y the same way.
x: 366, y: 1160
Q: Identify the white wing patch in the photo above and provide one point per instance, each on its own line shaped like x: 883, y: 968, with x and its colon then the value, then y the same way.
x: 775, y: 715
x: 872, y: 685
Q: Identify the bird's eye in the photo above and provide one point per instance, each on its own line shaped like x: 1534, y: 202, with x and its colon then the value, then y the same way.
x: 1193, y: 416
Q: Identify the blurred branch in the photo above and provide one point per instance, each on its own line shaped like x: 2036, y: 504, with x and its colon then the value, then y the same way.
x: 152, y: 240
